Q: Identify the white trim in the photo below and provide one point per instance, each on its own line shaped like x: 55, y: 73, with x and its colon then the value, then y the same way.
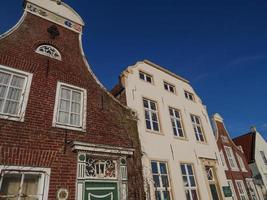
x: 83, y: 108
x: 45, y: 175
x: 25, y: 94
x: 47, y: 54
x: 231, y: 185
x: 81, y: 146
x: 235, y: 167
x: 241, y: 163
x: 101, y: 188
x: 244, y: 194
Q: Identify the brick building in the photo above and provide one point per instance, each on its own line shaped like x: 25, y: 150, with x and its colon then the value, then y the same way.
x: 62, y: 135
x: 255, y: 150
x: 238, y: 173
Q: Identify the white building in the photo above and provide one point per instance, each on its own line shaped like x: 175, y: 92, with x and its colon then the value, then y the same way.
x: 180, y: 155
x: 255, y: 149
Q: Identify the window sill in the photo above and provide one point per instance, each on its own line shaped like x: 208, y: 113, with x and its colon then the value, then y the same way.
x: 12, y: 118
x: 81, y: 129
x: 180, y: 138
x: 154, y: 132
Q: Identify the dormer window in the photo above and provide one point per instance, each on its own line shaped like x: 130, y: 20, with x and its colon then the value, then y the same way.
x: 189, y: 96
x: 145, y: 77
x: 50, y: 51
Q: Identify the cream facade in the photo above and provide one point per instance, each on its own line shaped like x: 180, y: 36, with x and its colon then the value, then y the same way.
x: 180, y: 155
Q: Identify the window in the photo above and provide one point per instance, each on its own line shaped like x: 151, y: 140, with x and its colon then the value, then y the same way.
x: 176, y: 120
x: 189, y: 182
x: 189, y: 96
x: 263, y: 157
x: 161, y: 180
x: 230, y: 184
x: 198, y: 128
x: 151, y: 115
x: 169, y: 87
x: 212, y: 180
x: 223, y: 160
x: 241, y: 190
x: 145, y: 77
x: 231, y: 158
x: 20, y: 184
x: 48, y: 50
x: 252, y: 189
x: 14, y: 92
x: 70, y: 109
x: 241, y: 163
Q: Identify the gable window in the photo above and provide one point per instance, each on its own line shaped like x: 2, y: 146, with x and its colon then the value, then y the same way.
x: 241, y: 163
x: 169, y: 87
x: 161, y: 180
x: 145, y: 77
x: 70, y: 108
x: 231, y: 158
x: 14, y: 92
x: 177, y: 125
x: 223, y: 160
x: 48, y: 50
x: 189, y: 182
x: 189, y: 96
x: 20, y: 184
x: 241, y: 190
x: 151, y: 115
x: 198, y: 129
x: 263, y: 157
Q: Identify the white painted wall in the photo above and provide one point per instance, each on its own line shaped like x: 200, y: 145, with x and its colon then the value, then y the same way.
x: 158, y: 146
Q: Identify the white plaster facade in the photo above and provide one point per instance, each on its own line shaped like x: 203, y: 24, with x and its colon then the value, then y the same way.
x: 164, y: 146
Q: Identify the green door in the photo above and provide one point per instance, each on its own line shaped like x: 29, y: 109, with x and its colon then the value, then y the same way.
x: 101, y: 191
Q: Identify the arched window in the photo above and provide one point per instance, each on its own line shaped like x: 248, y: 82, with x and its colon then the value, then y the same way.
x: 48, y: 50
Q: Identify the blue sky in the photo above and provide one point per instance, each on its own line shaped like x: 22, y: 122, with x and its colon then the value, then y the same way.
x: 220, y: 46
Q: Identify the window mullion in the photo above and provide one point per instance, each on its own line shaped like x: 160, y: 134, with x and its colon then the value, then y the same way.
x: 71, y: 91
x: 21, y: 185
x: 7, y: 91
x: 81, y: 110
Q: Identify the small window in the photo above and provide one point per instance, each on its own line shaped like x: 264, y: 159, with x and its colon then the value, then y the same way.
x: 177, y: 124
x: 223, y: 160
x: 189, y: 96
x: 169, y: 87
x: 14, y: 91
x: 231, y: 158
x: 151, y: 115
x: 241, y: 163
x: 241, y: 189
x: 263, y: 157
x: 189, y: 182
x: 161, y: 180
x: 198, y: 129
x: 145, y: 77
x: 70, y: 110
x: 50, y: 51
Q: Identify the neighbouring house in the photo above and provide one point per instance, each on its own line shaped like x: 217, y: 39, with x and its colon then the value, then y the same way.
x: 255, y: 150
x: 180, y: 155
x: 62, y: 134
x: 238, y: 173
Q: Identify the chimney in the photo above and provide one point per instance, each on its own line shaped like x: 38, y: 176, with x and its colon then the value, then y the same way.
x: 253, y: 129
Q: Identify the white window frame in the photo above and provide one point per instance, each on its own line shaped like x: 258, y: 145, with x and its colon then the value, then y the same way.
x: 150, y: 111
x: 188, y: 95
x: 231, y: 185
x: 82, y: 126
x: 189, y: 187
x: 223, y: 161
x: 251, y: 185
x: 263, y: 156
x: 231, y: 158
x: 44, y: 180
x: 38, y: 50
x: 200, y: 125
x: 167, y: 86
x: 145, y: 77
x: 243, y: 194
x: 24, y: 95
x: 175, y: 119
x: 241, y: 163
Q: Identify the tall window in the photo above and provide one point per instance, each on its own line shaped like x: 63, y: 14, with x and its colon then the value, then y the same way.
x: 223, y: 160
x: 197, y: 125
x: 71, y: 106
x: 189, y: 182
x: 252, y: 189
x: 230, y: 184
x: 189, y: 96
x: 161, y: 180
x: 145, y: 77
x: 18, y: 185
x: 231, y: 158
x: 177, y: 125
x: 263, y: 157
x: 241, y: 189
x: 169, y: 87
x: 151, y: 115
x: 241, y: 163
x: 14, y: 91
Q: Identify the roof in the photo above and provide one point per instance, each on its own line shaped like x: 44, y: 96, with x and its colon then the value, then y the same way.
x: 61, y: 9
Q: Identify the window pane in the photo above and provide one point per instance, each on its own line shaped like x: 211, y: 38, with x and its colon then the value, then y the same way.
x: 63, y: 117
x: 14, y: 94
x: 163, y: 169
x: 148, y: 78
x: 194, y: 194
x: 17, y: 81
x: 3, y: 90
x: 11, y: 107
x: 65, y: 93
x: 187, y: 193
x: 156, y: 180
x: 154, y: 167
x: 155, y: 126
x: 75, y: 119
x: 145, y: 102
x: 4, y: 78
x: 192, y: 181
x: 185, y: 181
x: 153, y: 106
x: 183, y: 169
x: 165, y: 181
x: 148, y: 125
x: 64, y: 105
x: 166, y: 195
x: 190, y: 169
x: 158, y: 195
x: 30, y: 184
x: 10, y: 184
x: 75, y: 107
x: 141, y: 75
x: 76, y: 96
x: 154, y: 117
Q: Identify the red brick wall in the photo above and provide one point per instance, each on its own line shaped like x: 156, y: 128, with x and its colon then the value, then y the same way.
x: 35, y: 142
